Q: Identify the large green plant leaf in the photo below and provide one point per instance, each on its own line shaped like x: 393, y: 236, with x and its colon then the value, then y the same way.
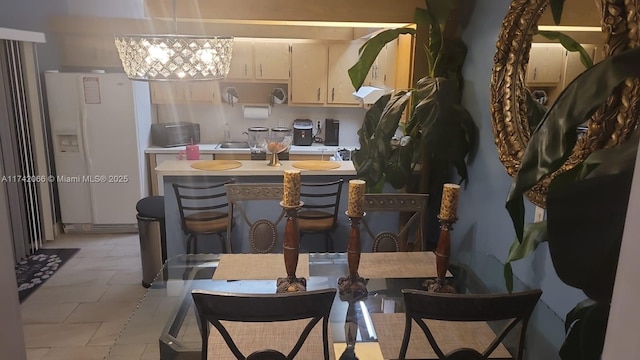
x: 379, y: 126
x: 369, y: 52
x: 600, y: 163
x: 552, y: 142
x: 570, y: 44
x: 398, y: 168
x: 556, y: 10
x: 587, y: 327
x: 443, y: 126
x: 451, y: 59
x: 534, y: 235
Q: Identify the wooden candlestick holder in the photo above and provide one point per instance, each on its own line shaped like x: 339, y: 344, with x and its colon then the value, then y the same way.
x: 443, y: 252
x: 291, y: 250
x: 353, y: 286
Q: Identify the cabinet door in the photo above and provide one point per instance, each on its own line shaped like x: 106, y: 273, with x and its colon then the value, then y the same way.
x: 241, y: 60
x: 168, y: 92
x: 341, y: 58
x: 308, y: 73
x: 382, y: 72
x: 546, y: 63
x: 204, y: 92
x: 271, y: 60
x: 574, y: 66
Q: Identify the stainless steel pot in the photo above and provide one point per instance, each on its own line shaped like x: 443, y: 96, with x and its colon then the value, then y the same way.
x: 256, y: 136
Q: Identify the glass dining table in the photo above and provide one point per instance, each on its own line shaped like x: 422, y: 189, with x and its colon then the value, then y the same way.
x: 163, y: 325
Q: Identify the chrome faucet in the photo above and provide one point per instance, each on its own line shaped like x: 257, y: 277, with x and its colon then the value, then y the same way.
x: 227, y: 133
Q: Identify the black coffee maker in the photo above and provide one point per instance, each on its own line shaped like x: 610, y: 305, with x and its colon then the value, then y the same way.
x: 331, y: 132
x: 302, y: 132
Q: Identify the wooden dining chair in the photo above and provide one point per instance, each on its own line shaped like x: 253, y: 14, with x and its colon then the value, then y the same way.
x: 215, y: 307
x: 262, y: 232
x: 203, y: 211
x: 515, y: 307
x: 394, y: 240
x: 319, y: 214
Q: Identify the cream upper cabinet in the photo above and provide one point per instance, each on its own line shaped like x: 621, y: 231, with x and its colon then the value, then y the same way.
x: 168, y: 92
x: 193, y: 92
x: 308, y: 84
x: 546, y: 64
x: 342, y: 56
x: 241, y: 60
x: 573, y: 65
x: 271, y: 59
x: 383, y: 71
x: 206, y: 92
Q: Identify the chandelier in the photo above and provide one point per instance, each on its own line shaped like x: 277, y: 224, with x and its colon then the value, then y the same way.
x: 175, y: 57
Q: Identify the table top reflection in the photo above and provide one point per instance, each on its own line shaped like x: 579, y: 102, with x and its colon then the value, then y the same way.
x: 164, y: 326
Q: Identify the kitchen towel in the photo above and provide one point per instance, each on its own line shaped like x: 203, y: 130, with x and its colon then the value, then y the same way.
x: 256, y: 112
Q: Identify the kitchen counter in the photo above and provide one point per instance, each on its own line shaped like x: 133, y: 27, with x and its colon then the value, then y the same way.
x: 251, y: 171
x: 248, y: 168
x: 314, y: 149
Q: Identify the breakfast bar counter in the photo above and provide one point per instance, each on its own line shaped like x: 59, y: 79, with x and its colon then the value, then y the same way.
x: 253, y: 172
x: 249, y: 168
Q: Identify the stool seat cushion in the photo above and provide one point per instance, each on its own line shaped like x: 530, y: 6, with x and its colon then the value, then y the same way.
x: 315, y: 220
x: 151, y: 206
x: 206, y: 222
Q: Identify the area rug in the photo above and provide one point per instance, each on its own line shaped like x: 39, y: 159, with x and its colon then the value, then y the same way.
x: 37, y: 268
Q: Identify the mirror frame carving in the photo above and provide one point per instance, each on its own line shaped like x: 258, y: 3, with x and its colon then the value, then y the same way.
x: 611, y: 124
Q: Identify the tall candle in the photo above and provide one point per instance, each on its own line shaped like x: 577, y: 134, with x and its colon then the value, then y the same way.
x: 449, y: 204
x: 291, y: 193
x: 356, y: 198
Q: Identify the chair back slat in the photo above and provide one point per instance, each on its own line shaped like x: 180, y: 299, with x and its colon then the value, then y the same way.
x: 397, y: 202
x: 200, y: 204
x: 200, y: 198
x: 465, y: 307
x: 262, y: 232
x: 516, y: 307
x: 214, y: 307
x: 321, y: 202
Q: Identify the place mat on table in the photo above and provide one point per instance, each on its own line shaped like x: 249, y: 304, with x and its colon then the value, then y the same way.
x: 449, y: 335
x: 420, y: 264
x: 364, y: 350
x: 216, y: 164
x: 281, y: 336
x: 316, y: 165
x: 257, y: 267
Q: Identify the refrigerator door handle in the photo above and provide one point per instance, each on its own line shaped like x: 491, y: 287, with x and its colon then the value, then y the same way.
x: 86, y: 152
x: 85, y: 138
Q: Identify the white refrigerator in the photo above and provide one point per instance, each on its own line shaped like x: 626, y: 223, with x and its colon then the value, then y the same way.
x: 100, y: 126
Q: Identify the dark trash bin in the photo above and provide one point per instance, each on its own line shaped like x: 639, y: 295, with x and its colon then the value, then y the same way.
x: 153, y: 245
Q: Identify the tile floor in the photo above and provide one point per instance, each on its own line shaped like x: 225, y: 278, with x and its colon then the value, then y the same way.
x: 81, y: 310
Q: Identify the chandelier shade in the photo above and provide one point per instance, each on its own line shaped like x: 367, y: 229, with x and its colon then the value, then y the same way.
x: 175, y: 57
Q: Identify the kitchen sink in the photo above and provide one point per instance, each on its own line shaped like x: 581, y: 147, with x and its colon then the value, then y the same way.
x: 234, y: 145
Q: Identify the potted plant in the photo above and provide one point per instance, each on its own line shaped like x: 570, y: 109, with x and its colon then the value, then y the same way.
x: 439, y: 133
x: 586, y: 205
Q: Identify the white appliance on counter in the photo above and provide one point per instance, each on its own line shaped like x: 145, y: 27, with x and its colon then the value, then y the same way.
x: 100, y: 126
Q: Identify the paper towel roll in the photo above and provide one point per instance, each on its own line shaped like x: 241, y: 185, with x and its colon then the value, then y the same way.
x: 256, y: 112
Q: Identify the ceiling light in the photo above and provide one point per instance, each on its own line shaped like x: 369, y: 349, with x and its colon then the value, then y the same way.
x: 569, y: 28
x: 175, y: 57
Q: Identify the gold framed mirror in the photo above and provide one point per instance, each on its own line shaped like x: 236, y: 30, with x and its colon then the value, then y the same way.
x: 609, y: 126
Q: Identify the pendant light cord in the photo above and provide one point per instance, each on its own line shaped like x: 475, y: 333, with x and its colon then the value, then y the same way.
x: 175, y: 18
